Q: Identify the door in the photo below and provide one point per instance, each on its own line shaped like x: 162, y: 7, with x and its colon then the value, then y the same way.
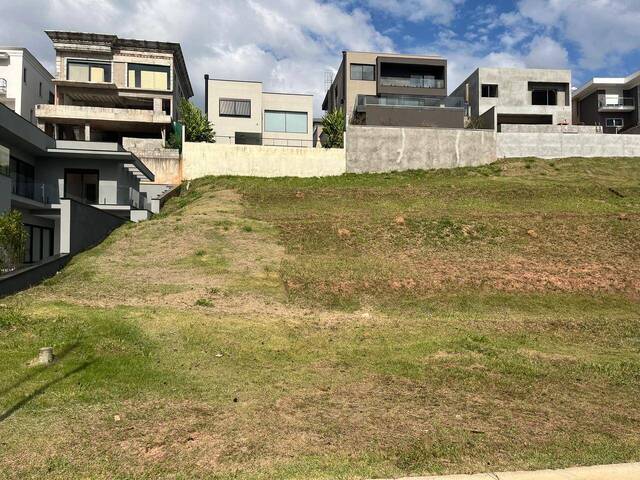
x: 81, y: 185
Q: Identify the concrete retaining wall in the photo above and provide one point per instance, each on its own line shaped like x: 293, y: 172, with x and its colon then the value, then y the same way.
x: 201, y: 159
x: 385, y: 149
x: 29, y: 276
x: 163, y: 162
x: 524, y: 128
x: 83, y: 226
x: 563, y: 145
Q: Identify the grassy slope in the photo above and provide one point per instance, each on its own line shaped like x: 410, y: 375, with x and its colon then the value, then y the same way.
x: 369, y: 325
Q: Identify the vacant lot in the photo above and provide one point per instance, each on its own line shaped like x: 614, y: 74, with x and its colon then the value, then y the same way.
x: 361, y: 326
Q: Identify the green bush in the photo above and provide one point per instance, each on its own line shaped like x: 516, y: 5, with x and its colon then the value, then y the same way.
x: 333, y: 124
x: 13, y: 240
x: 197, y: 127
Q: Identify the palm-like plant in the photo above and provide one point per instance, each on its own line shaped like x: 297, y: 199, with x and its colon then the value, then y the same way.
x: 333, y: 124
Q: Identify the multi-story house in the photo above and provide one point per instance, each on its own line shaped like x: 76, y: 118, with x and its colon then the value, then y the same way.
x: 611, y: 103
x: 242, y: 113
x: 394, y: 90
x: 24, y: 82
x: 517, y: 96
x: 107, y: 88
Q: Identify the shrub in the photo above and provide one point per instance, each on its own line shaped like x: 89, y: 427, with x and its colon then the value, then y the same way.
x: 197, y: 127
x: 13, y: 240
x: 333, y: 124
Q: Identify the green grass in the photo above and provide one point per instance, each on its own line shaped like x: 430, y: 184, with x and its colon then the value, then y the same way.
x: 362, y: 326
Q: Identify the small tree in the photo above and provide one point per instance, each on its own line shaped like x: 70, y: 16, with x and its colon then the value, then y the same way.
x: 197, y: 127
x: 13, y: 240
x: 333, y: 124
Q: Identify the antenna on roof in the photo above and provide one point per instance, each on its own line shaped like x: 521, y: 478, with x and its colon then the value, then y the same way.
x: 328, y: 80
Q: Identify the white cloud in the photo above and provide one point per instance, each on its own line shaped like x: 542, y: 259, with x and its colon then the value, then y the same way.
x: 603, y: 30
x: 545, y: 52
x: 438, y: 11
x: 288, y: 44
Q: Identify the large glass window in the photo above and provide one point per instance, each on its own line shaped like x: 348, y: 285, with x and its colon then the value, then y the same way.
x: 150, y: 77
x: 230, y: 107
x: 285, y: 122
x: 362, y: 72
x: 81, y: 71
x: 489, y: 90
x: 546, y: 96
x: 81, y: 185
x: 22, y: 178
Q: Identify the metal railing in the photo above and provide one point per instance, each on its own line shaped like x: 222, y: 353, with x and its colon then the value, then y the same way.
x: 3, y: 86
x: 413, y: 82
x: 410, y: 101
x: 619, y: 102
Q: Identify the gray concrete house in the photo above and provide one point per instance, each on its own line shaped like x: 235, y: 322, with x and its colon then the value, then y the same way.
x: 24, y: 82
x: 71, y: 193
x: 242, y: 113
x: 499, y: 96
x: 394, y: 90
x: 107, y: 88
x: 611, y: 103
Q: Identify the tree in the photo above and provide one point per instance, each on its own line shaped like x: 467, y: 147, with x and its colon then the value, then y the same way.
x: 197, y: 127
x: 333, y: 124
x: 13, y: 240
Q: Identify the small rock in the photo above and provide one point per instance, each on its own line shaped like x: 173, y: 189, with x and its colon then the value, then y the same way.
x: 218, y: 355
x: 116, y: 418
x: 399, y: 220
x: 343, y: 233
x: 299, y: 194
x: 532, y: 233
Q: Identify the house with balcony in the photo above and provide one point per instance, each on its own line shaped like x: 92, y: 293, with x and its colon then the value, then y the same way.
x: 108, y: 88
x: 71, y: 194
x: 244, y: 114
x: 394, y: 90
x: 609, y: 102
x: 535, y: 96
x: 24, y: 82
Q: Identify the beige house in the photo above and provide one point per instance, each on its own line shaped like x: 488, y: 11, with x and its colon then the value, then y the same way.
x: 394, y: 90
x: 242, y: 113
x: 107, y: 87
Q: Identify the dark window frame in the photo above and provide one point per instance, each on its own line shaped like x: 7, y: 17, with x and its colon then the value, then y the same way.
x: 490, y: 88
x: 83, y: 171
x: 23, y: 177
x: 139, y: 67
x: 547, y: 92
x: 606, y: 120
x: 28, y: 254
x: 90, y: 63
x: 362, y: 65
x: 235, y: 107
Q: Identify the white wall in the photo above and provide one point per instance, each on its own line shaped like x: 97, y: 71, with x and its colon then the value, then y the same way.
x: 564, y: 145
x: 226, y: 127
x: 202, y: 159
x: 27, y: 95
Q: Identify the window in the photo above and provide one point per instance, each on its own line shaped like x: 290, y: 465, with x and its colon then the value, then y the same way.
x: 489, y: 90
x: 362, y: 72
x: 81, y: 185
x: 39, y: 243
x: 4, y: 162
x: 544, y: 96
x: 614, y: 122
x: 52, y: 99
x: 88, y: 72
x: 22, y: 177
x: 24, y: 76
x: 285, y: 122
x: 150, y: 77
x: 230, y: 107
x: 40, y: 90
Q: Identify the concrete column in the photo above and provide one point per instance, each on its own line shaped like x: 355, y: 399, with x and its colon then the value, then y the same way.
x: 55, y: 132
x: 65, y: 226
x: 157, y: 105
x: 87, y: 132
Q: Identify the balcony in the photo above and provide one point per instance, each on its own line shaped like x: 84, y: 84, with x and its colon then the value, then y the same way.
x: 616, y: 104
x: 415, y: 81
x: 38, y: 192
x: 410, y: 101
x: 81, y: 114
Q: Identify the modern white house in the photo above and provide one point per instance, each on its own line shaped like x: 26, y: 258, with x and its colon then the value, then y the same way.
x: 24, y: 82
x: 242, y: 113
x: 500, y: 96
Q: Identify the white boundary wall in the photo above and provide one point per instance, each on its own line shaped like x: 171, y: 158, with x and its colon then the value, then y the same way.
x: 202, y: 159
x: 564, y: 145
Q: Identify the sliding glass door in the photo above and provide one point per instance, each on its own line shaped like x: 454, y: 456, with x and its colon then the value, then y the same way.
x: 81, y: 185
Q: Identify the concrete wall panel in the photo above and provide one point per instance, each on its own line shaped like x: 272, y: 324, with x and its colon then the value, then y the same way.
x: 385, y: 149
x: 83, y: 226
x: 202, y: 159
x: 564, y: 145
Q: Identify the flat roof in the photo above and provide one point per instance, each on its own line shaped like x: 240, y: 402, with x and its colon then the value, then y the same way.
x: 115, y: 42
x: 596, y: 82
x: 392, y: 54
x: 26, y: 51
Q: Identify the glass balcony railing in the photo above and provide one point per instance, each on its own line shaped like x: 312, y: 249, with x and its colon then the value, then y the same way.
x: 412, y: 82
x: 410, y: 101
x: 613, y: 102
x: 40, y: 192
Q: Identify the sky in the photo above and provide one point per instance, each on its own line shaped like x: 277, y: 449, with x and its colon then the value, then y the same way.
x: 290, y: 44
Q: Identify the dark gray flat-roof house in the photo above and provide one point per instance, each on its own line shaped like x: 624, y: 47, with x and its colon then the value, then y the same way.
x: 394, y: 90
x: 71, y: 193
x: 611, y: 103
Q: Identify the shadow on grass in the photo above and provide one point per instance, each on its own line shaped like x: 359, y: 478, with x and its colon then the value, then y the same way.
x: 59, y: 356
x: 40, y: 390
